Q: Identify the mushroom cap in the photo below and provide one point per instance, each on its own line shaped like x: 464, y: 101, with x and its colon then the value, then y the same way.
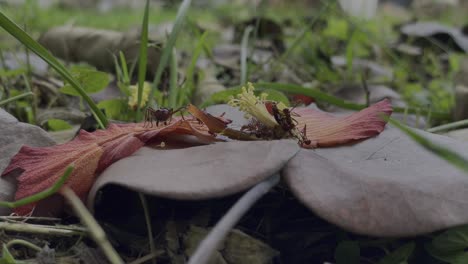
x: 200, y: 172
x: 384, y: 186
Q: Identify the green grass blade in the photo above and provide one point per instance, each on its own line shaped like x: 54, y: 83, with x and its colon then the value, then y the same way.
x: 315, y: 93
x: 32, y: 101
x: 143, y: 59
x: 95, y: 230
x: 167, y: 50
x: 189, y: 85
x: 307, y: 28
x: 333, y: 100
x: 244, y: 54
x: 223, y: 97
x: 14, y: 98
x: 173, y: 91
x: 149, y: 227
x: 42, y: 52
x: 450, y: 126
x: 118, y: 70
x: 123, y: 62
x: 443, y: 152
x: 42, y: 195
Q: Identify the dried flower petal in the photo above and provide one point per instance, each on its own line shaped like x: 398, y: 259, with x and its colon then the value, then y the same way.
x: 326, y: 130
x: 91, y: 153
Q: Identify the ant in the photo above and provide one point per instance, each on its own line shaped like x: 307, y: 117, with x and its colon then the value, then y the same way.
x: 160, y: 115
x: 303, y: 140
x: 284, y: 118
x: 288, y: 123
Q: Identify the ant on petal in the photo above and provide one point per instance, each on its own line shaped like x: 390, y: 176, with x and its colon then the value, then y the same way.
x: 160, y: 115
x: 284, y: 118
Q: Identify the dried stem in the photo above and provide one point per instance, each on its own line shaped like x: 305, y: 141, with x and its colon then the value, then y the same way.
x: 144, y: 204
x: 42, y: 229
x: 96, y: 231
x: 222, y: 228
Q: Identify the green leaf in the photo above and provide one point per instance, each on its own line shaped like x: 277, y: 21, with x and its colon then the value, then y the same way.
x: 57, y: 125
x: 277, y: 96
x: 452, y: 239
x: 455, y: 61
x: 400, y: 255
x: 7, y: 258
x: 92, y: 81
x: 12, y: 73
x: 221, y: 97
x: 113, y: 107
x: 347, y: 252
x: 336, y: 28
x: 452, y: 257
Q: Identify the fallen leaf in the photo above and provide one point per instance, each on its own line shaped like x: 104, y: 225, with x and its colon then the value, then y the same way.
x: 326, y: 130
x: 90, y: 153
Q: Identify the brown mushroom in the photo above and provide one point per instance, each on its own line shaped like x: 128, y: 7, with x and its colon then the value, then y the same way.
x: 200, y: 172
x: 384, y: 186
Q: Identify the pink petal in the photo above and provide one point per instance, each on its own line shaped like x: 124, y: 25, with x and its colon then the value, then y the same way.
x: 326, y: 130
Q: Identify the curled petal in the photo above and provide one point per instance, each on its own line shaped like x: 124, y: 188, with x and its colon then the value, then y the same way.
x: 326, y: 130
x: 218, y: 124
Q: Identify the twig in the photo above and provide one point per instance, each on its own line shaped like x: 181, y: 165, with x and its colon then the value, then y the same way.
x: 16, y: 218
x: 206, y: 248
x: 42, y: 229
x: 151, y: 255
x: 144, y: 204
x: 95, y: 229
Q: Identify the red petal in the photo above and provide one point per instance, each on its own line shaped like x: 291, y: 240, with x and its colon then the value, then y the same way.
x: 90, y: 153
x: 43, y: 166
x: 303, y: 99
x: 326, y: 130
